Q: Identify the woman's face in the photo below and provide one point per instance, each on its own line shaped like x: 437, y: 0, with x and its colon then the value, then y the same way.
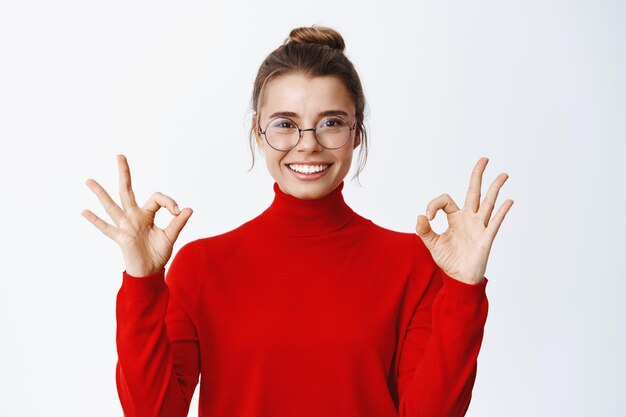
x: 306, y: 98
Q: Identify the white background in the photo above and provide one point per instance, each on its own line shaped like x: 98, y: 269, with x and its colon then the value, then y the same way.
x: 539, y: 87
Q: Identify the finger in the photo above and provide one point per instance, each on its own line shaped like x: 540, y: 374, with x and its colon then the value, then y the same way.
x: 486, y: 207
x: 423, y: 229
x: 444, y: 202
x: 158, y: 200
x: 494, y: 224
x: 126, y: 191
x: 111, y: 207
x: 103, y: 226
x: 472, y: 198
x: 176, y: 225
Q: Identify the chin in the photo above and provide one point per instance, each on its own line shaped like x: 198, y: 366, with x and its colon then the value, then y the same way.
x: 309, y: 190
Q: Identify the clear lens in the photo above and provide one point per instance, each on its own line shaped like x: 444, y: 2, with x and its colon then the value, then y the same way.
x: 282, y: 133
x: 332, y: 132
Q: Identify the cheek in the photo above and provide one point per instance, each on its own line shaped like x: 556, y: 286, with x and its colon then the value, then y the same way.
x: 274, y: 161
x: 345, y: 157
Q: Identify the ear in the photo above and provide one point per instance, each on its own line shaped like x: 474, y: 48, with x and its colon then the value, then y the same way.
x: 257, y: 135
x: 255, y: 128
x: 357, y: 140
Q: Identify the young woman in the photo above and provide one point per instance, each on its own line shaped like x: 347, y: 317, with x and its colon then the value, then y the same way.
x: 308, y: 309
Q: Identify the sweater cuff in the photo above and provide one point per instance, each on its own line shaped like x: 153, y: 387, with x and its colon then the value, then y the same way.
x: 153, y: 282
x: 462, y: 292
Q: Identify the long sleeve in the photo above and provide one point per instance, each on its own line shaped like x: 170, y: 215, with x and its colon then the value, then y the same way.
x: 438, y: 363
x: 157, y: 343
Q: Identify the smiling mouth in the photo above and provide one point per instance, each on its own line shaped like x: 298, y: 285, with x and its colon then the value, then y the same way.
x: 308, y: 169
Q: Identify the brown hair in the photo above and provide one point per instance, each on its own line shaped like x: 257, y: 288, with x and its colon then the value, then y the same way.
x: 313, y: 51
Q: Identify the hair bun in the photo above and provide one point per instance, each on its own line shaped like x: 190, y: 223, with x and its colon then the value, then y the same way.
x: 317, y: 34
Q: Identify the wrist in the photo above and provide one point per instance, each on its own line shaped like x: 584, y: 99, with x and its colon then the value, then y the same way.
x: 142, y: 273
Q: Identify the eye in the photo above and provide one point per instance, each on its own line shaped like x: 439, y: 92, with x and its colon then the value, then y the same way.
x: 333, y: 122
x: 282, y: 124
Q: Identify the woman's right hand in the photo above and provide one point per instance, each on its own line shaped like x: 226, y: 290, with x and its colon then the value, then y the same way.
x: 145, y: 248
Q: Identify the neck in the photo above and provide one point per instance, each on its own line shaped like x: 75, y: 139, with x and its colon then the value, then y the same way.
x: 292, y: 216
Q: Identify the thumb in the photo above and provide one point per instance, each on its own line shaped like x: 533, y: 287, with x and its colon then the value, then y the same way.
x: 423, y: 229
x: 176, y: 225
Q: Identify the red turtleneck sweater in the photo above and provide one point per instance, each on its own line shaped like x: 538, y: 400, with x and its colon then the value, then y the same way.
x: 307, y: 310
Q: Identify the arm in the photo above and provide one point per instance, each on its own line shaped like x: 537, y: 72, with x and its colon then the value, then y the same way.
x: 438, y: 361
x: 158, y: 350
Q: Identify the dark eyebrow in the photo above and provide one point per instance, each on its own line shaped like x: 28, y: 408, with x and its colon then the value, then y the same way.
x: 322, y: 114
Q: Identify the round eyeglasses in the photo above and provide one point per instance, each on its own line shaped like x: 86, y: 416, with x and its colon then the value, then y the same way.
x: 283, y: 134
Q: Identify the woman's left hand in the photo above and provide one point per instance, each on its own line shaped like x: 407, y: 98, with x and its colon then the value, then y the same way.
x: 463, y: 249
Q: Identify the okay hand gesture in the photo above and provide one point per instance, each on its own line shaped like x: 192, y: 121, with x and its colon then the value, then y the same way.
x: 145, y: 247
x: 463, y: 249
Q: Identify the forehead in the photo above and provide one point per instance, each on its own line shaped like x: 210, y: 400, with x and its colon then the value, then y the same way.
x: 306, y: 96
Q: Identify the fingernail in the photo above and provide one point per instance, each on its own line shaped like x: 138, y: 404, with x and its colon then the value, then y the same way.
x: 176, y: 209
x: 428, y: 214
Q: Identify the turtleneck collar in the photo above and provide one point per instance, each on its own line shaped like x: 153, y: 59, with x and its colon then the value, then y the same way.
x: 292, y: 216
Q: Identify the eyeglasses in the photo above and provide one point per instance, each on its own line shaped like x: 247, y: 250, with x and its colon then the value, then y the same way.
x: 283, y: 134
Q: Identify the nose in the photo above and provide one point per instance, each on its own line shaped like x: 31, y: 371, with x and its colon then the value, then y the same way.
x: 308, y: 142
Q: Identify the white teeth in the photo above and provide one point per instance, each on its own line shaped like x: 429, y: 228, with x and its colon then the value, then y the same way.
x: 308, y: 169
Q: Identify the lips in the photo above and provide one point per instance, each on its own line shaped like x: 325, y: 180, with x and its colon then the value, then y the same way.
x: 308, y: 163
x: 303, y: 170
